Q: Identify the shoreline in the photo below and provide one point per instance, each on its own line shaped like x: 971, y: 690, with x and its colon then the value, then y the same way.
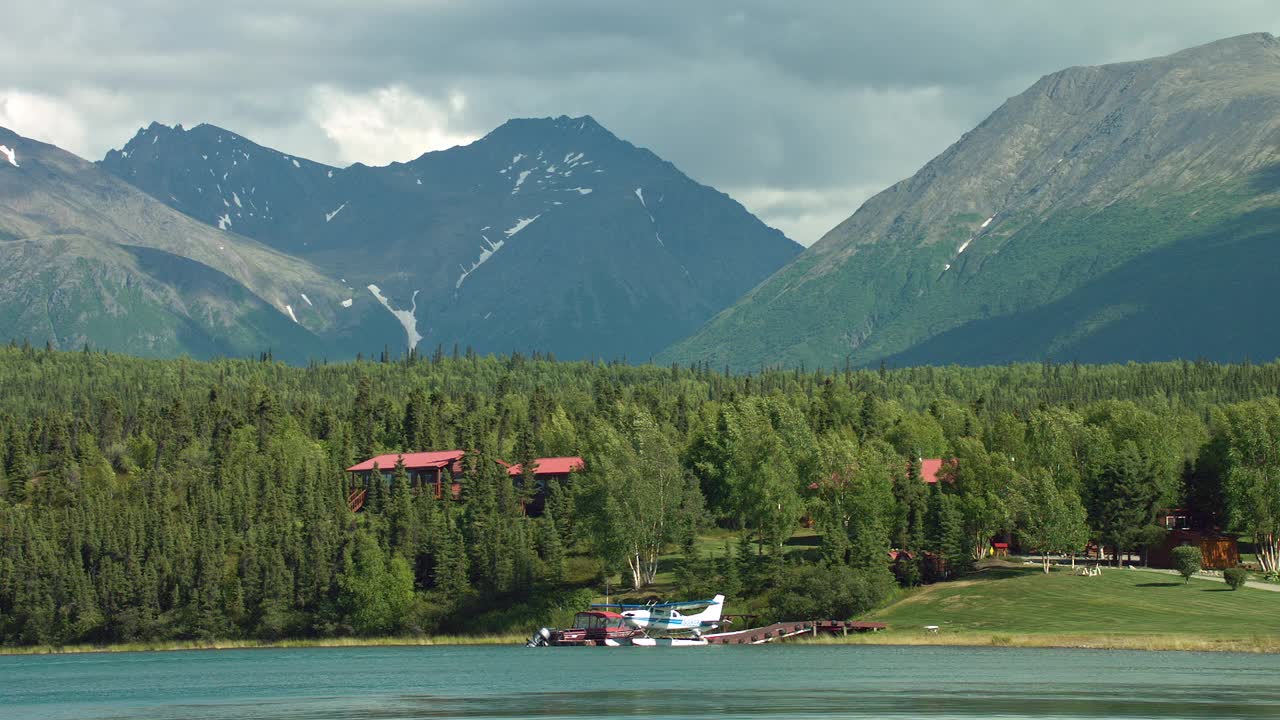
x: 286, y: 644
x: 1259, y: 644
x: 1083, y: 641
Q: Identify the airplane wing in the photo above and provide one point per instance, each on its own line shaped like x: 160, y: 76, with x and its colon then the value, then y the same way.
x: 676, y: 604
x: 685, y: 603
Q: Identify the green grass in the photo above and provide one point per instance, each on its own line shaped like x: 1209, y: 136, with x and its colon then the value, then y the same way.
x: 1003, y: 601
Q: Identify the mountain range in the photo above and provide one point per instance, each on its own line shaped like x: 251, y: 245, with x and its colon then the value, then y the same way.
x: 546, y: 234
x: 1122, y: 212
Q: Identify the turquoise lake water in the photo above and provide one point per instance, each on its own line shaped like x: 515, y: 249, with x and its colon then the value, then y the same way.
x: 748, y: 682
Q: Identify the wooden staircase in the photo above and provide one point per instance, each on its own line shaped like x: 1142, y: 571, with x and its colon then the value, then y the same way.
x: 355, y: 500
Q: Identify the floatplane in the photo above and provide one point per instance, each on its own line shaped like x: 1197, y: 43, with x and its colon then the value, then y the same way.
x: 625, y: 625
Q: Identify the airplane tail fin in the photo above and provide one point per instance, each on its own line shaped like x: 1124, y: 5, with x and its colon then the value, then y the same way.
x: 713, y: 611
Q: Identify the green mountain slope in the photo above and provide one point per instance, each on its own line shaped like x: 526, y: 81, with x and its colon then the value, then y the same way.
x: 1108, y: 213
x: 86, y: 258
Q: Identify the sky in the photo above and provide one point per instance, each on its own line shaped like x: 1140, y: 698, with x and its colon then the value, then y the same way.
x: 799, y: 110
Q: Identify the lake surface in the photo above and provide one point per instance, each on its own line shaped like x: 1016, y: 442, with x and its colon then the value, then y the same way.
x: 793, y: 681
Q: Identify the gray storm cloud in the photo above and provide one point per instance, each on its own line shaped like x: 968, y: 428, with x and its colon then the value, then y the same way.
x: 800, y: 110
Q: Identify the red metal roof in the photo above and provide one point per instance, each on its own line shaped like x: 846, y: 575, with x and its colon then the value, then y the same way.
x: 412, y: 461
x: 931, y: 467
x: 551, y: 466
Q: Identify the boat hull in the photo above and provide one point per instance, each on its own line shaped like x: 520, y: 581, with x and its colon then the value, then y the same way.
x: 657, y: 642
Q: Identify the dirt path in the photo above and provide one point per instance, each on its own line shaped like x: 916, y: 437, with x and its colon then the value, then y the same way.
x: 1272, y: 587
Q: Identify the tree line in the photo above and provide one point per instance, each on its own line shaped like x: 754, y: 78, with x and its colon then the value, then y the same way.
x: 172, y: 499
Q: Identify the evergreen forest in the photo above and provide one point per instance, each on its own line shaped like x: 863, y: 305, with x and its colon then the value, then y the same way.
x: 152, y: 500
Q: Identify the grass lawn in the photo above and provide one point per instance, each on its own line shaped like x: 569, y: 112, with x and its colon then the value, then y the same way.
x: 1120, y: 608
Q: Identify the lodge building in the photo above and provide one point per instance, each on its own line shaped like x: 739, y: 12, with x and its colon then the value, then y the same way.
x: 443, y: 473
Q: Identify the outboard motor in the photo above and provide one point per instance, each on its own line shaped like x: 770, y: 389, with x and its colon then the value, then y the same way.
x: 542, y: 638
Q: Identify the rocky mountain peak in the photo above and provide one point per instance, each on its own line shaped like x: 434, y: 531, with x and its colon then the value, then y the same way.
x: 547, y: 233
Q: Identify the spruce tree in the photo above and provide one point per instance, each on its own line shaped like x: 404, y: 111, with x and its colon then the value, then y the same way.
x: 399, y: 513
x: 550, y: 548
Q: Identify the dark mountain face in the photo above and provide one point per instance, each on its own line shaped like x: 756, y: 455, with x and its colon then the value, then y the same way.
x: 547, y: 234
x: 1122, y: 212
x: 86, y: 258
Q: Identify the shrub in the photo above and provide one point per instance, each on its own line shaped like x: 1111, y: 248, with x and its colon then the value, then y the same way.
x: 827, y: 591
x: 1186, y: 560
x: 1235, y: 577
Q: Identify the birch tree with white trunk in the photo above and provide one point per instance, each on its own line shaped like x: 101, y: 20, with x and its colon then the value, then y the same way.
x: 1252, y: 482
x: 637, y: 499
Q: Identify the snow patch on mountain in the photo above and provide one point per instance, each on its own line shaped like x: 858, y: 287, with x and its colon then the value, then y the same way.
x: 524, y: 175
x: 406, y: 317
x: 640, y: 194
x: 988, y: 222
x: 237, y: 200
x: 307, y: 299
x: 224, y: 222
x: 486, y: 251
x: 521, y: 224
x: 580, y: 190
x: 348, y: 302
x: 331, y: 215
x: 293, y: 317
x: 11, y: 154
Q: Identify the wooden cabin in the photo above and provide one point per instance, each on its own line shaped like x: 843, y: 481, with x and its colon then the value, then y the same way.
x: 1217, y: 551
x: 1188, y: 526
x: 544, y: 471
x: 426, y: 469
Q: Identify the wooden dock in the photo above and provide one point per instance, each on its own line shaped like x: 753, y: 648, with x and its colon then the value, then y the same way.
x: 760, y: 635
x: 777, y: 631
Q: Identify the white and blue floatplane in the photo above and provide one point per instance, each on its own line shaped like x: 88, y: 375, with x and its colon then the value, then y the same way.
x: 623, y: 625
